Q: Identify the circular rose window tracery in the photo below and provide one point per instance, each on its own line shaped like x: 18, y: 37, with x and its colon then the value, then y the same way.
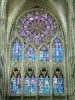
x: 36, y: 27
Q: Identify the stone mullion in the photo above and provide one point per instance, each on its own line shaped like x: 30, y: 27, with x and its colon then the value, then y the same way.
x: 51, y: 73
x: 22, y: 73
x: 37, y: 72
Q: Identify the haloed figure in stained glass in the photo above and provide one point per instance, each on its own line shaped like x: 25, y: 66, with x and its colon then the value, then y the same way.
x: 58, y: 82
x: 43, y: 54
x: 44, y: 84
x: 30, y: 84
x: 29, y: 55
x: 16, y: 50
x: 57, y: 52
x: 15, y: 82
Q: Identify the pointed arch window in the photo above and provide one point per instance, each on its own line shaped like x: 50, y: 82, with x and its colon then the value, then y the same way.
x: 58, y: 82
x: 57, y: 52
x: 16, y: 50
x: 44, y: 83
x: 43, y: 54
x: 15, y: 82
x: 29, y: 55
x: 30, y: 83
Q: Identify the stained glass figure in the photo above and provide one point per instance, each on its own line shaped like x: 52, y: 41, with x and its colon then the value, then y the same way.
x: 44, y: 84
x: 16, y: 50
x: 30, y: 54
x: 30, y: 84
x: 43, y: 54
x: 37, y: 27
x: 27, y: 89
x: 33, y: 84
x: 41, y: 84
x: 58, y: 83
x: 57, y: 52
x: 15, y: 83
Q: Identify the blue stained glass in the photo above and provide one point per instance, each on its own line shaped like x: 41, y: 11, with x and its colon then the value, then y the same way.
x: 61, y: 85
x: 44, y: 85
x: 15, y: 84
x: 27, y: 85
x: 58, y: 83
x: 30, y: 84
x: 41, y: 84
x: 30, y: 54
x: 57, y: 53
x: 43, y: 54
x: 55, y: 84
x: 33, y: 84
x: 16, y: 51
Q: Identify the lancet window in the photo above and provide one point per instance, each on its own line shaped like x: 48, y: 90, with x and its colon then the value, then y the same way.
x: 15, y: 82
x: 58, y: 82
x: 16, y: 50
x: 30, y: 82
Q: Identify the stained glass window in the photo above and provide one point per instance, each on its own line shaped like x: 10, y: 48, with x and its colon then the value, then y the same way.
x: 43, y: 54
x: 16, y: 50
x: 30, y: 54
x: 58, y: 82
x: 30, y: 84
x: 15, y: 82
x: 57, y: 52
x: 44, y: 84
x: 37, y: 27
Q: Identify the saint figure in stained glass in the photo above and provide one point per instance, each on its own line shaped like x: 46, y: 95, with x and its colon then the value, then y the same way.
x: 57, y: 52
x: 30, y: 84
x: 58, y: 82
x: 15, y: 82
x: 16, y: 50
x: 29, y: 55
x: 43, y: 54
x: 44, y: 84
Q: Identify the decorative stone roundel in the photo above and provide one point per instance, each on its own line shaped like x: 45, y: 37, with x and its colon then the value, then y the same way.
x: 36, y: 26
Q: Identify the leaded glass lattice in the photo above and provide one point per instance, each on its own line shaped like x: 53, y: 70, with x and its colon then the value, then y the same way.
x: 37, y: 27
x: 16, y: 50
x: 29, y: 55
x: 58, y: 82
x: 44, y: 84
x: 57, y: 52
x: 43, y: 54
x: 15, y: 82
x: 30, y: 84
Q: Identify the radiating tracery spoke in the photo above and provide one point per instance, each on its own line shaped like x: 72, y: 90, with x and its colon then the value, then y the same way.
x: 36, y: 26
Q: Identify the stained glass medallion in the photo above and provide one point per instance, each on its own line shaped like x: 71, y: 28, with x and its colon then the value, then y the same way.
x: 37, y: 27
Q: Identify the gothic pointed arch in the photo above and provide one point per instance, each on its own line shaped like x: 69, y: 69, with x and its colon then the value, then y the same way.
x: 44, y: 82
x: 16, y: 50
x: 43, y: 54
x: 57, y: 50
x: 29, y: 82
x: 58, y: 81
x: 15, y: 82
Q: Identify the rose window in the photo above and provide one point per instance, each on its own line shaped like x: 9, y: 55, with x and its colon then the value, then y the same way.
x: 37, y: 27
